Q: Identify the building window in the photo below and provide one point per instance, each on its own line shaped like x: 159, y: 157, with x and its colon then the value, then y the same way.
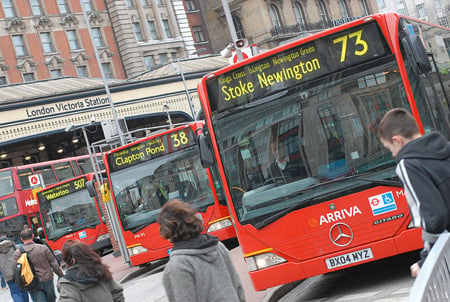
x: 443, y: 22
x: 144, y: 2
x: 72, y: 39
x: 62, y: 6
x: 190, y: 5
x: 420, y: 10
x: 323, y: 13
x: 19, y: 45
x: 239, y: 28
x: 107, y: 70
x: 82, y: 71
x: 199, y: 36
x: 88, y: 6
x: 344, y: 9
x: 275, y: 16
x: 364, y: 7
x: 97, y: 36
x: 28, y: 77
x: 8, y: 9
x: 3, y: 81
x: 130, y: 3
x: 151, y: 27
x: 55, y: 73
x: 36, y: 7
x: 167, y: 28
x: 149, y: 62
x: 300, y: 16
x: 137, y: 31
x: 159, y: 2
x: 163, y: 58
x: 47, y: 43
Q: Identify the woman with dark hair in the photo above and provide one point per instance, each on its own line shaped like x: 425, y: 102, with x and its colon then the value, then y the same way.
x: 199, y: 268
x: 87, y: 278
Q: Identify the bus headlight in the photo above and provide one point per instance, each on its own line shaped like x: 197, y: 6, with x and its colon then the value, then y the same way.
x: 135, y: 250
x: 263, y: 261
x: 103, y: 237
x: 225, y: 223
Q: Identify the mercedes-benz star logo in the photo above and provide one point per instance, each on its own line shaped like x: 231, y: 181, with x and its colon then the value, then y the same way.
x: 341, y: 234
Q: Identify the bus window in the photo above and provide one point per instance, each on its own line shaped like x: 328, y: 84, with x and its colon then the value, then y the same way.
x: 23, y: 178
x: 64, y: 171
x: 76, y: 169
x: 85, y: 165
x: 8, y: 207
x: 6, y: 183
x: 48, y: 175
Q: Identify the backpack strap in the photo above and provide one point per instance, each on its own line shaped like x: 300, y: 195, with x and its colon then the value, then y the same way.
x: 22, y: 250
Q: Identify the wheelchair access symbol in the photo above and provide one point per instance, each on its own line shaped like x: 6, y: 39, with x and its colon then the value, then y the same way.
x: 382, y: 203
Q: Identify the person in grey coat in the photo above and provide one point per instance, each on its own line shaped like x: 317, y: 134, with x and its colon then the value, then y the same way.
x: 199, y: 268
x: 7, y: 248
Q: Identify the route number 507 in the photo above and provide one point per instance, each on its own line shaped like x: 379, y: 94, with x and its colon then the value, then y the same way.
x: 361, y: 45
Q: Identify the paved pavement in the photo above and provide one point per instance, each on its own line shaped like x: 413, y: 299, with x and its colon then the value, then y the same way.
x: 123, y: 273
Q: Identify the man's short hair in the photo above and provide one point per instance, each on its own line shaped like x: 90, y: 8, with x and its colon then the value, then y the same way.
x: 397, y: 121
x: 26, y: 234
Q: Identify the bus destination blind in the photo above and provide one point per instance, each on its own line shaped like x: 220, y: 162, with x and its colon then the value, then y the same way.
x: 295, y: 66
x: 62, y: 190
x: 151, y: 148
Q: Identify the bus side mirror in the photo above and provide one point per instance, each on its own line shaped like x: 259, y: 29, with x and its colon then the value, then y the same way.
x: 415, y: 51
x: 206, y: 153
x: 90, y: 186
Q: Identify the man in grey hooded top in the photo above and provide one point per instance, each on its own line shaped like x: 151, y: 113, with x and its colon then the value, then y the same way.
x: 200, y: 268
x: 7, y: 248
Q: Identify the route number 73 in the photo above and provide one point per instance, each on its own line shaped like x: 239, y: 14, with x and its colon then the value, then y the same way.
x: 359, y: 43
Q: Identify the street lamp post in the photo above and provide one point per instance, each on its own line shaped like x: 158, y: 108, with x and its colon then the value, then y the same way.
x: 105, y: 82
x: 188, y: 95
x: 229, y: 18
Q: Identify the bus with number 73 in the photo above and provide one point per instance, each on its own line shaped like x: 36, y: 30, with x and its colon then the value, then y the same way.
x: 294, y: 132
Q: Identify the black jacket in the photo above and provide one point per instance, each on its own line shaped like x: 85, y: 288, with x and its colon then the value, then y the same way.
x: 423, y: 165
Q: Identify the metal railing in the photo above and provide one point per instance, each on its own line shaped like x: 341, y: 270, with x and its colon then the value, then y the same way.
x: 433, y: 281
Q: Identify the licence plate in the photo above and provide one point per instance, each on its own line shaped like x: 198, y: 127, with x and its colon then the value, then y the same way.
x: 349, y: 258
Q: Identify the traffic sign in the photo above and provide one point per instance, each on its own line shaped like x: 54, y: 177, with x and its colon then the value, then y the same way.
x: 35, y: 180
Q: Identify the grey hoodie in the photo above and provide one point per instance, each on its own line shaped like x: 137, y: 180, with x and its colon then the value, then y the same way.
x: 200, y: 270
x: 7, y: 249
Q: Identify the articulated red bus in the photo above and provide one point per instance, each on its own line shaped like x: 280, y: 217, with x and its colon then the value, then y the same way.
x: 145, y: 174
x: 18, y: 204
x: 310, y: 188
x: 68, y: 212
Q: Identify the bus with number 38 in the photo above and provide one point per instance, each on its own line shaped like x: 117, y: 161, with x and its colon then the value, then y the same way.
x: 294, y: 132
x: 145, y: 174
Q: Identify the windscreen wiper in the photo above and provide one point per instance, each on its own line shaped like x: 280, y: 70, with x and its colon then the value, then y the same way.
x: 301, y: 204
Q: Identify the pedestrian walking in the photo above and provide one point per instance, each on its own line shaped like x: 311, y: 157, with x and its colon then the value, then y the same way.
x: 87, y: 278
x: 7, y: 248
x: 44, y: 263
x: 423, y: 165
x: 199, y: 267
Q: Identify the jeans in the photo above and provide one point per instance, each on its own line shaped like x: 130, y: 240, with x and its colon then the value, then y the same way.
x: 2, y: 281
x: 16, y: 294
x: 45, y: 292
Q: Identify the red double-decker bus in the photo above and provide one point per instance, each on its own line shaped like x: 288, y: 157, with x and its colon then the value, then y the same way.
x: 145, y: 174
x: 310, y: 188
x: 69, y: 212
x: 18, y: 203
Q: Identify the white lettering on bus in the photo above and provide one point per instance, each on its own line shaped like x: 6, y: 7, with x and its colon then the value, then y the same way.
x: 30, y: 203
x: 340, y: 215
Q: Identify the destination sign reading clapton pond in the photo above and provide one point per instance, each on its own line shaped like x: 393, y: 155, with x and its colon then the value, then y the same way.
x: 62, y: 190
x: 152, y: 148
x: 296, y: 65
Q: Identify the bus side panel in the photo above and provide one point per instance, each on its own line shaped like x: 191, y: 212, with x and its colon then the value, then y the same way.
x: 88, y: 236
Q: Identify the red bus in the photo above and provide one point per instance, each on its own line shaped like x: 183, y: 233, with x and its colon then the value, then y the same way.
x: 145, y: 174
x: 18, y: 204
x: 310, y: 188
x: 68, y: 212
